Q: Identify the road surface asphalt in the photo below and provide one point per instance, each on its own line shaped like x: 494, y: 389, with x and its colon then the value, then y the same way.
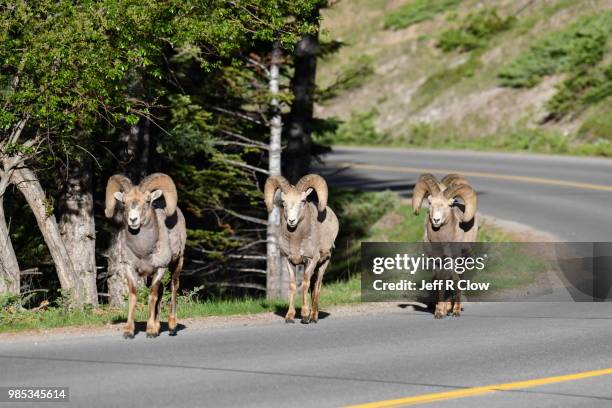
x: 361, y: 359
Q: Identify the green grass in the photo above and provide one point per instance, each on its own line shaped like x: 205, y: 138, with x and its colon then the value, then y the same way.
x: 410, y: 228
x: 12, y: 319
x: 512, y: 267
x: 417, y: 11
x: 593, y: 139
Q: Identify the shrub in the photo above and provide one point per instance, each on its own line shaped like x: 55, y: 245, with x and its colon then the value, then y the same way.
x: 475, y: 30
x: 417, y: 11
x: 582, y: 44
x: 584, y: 88
x: 359, y: 129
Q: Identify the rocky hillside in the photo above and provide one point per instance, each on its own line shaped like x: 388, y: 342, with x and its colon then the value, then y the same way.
x: 506, y: 74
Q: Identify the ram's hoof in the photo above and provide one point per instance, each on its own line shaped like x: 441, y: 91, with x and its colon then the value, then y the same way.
x: 172, y: 332
x: 289, y: 320
x: 438, y: 315
x: 128, y: 335
x: 305, y: 320
x: 152, y: 335
x: 314, y: 316
x: 456, y: 314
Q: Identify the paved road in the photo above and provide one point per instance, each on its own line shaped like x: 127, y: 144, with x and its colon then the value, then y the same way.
x: 361, y: 359
x: 336, y: 362
x: 567, y: 196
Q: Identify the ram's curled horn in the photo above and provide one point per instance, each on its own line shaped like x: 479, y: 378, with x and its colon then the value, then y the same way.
x: 319, y: 185
x: 163, y: 182
x: 117, y: 183
x: 468, y: 195
x: 453, y: 178
x: 425, y: 185
x: 273, y: 183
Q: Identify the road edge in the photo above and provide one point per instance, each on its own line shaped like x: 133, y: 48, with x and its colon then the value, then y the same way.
x: 528, y: 234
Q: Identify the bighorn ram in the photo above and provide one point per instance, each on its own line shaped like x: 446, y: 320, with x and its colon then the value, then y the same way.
x: 151, y: 240
x: 308, y: 232
x: 448, y: 221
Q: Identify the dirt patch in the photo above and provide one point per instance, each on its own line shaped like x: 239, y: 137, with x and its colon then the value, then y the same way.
x: 507, y: 105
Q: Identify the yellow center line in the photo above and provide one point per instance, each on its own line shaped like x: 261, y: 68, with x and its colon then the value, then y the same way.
x: 509, y: 177
x: 470, y: 392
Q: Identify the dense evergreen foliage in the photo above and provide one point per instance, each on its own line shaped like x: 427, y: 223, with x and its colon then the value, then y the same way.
x: 122, y: 86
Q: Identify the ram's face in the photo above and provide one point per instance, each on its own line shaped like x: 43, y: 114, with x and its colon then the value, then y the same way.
x: 294, y: 203
x: 137, y: 206
x: 439, y: 209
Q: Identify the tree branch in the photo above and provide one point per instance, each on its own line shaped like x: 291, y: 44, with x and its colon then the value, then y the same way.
x: 236, y: 114
x: 16, y: 133
x: 247, y: 166
x: 243, y: 138
x: 243, y: 217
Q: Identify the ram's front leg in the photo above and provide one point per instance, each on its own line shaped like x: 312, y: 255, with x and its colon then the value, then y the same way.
x: 440, y: 311
x: 153, y: 324
x: 292, y: 288
x: 457, y: 303
x: 128, y: 332
x: 316, y: 293
x: 311, y: 265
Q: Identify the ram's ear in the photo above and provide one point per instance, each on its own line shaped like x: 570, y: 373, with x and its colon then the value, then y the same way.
x: 118, y: 196
x: 156, y: 194
x: 308, y: 191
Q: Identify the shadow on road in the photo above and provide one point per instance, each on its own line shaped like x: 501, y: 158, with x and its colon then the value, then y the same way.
x: 364, y: 180
x: 282, y: 311
x: 347, y: 177
x: 425, y: 308
x: 142, y: 327
x: 429, y: 308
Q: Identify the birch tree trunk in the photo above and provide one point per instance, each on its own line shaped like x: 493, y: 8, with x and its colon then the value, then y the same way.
x: 27, y: 183
x: 274, y: 259
x: 78, y: 229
